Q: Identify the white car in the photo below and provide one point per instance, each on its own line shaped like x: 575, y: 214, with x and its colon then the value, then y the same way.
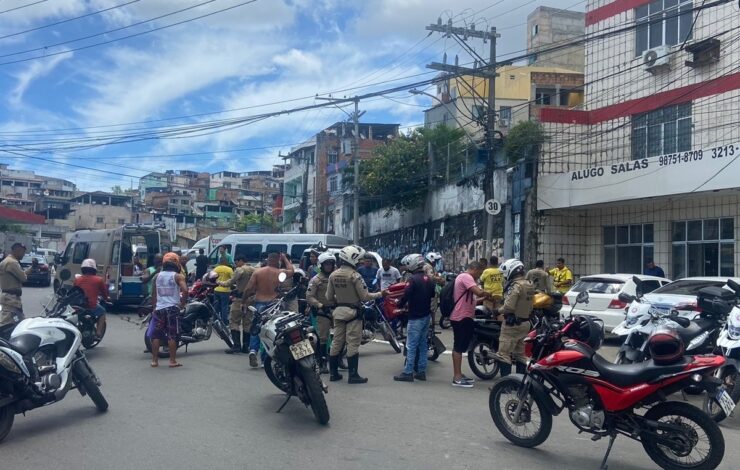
x: 603, y: 291
x: 681, y: 294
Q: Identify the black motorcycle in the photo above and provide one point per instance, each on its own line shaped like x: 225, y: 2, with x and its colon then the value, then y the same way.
x: 70, y: 304
x: 290, y: 361
x: 199, y: 320
x: 374, y: 324
x: 484, y: 345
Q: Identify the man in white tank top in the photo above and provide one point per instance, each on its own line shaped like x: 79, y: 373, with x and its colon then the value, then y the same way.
x: 169, y: 295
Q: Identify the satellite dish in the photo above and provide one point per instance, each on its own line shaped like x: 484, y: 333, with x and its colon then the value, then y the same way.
x: 650, y: 58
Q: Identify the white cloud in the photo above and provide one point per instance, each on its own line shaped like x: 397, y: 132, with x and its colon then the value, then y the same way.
x: 35, y: 70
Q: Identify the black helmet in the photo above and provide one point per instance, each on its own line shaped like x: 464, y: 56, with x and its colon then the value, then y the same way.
x: 588, y: 329
x: 666, y: 346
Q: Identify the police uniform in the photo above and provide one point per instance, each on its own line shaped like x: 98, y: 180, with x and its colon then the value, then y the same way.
x: 12, y: 278
x: 347, y: 290
x: 321, y: 307
x: 239, y: 315
x: 541, y: 281
x: 518, y: 300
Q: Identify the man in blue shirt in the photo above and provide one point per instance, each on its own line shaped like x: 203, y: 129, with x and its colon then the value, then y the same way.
x: 652, y: 270
x: 368, y: 273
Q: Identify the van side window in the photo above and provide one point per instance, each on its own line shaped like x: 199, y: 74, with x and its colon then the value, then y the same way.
x: 296, y: 251
x: 277, y: 248
x: 116, y: 254
x: 80, y: 252
x: 250, y: 251
x: 67, y: 254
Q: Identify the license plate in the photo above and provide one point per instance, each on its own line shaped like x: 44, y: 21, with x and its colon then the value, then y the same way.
x: 304, y: 349
x: 725, y: 402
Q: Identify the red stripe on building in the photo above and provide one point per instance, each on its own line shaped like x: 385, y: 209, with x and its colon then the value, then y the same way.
x: 612, y: 9
x: 20, y: 217
x: 642, y: 105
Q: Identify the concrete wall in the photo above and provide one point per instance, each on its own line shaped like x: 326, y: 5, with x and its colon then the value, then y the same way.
x: 87, y: 216
x: 555, y: 26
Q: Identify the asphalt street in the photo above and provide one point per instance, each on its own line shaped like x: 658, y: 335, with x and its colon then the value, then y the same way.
x: 217, y: 413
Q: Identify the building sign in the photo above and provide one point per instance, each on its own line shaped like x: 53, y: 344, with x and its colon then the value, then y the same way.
x: 677, y: 173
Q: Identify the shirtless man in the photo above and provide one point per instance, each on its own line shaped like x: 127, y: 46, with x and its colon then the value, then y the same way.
x: 264, y: 284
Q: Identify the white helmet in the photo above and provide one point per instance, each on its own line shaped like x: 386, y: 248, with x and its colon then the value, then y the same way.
x: 511, y: 267
x: 326, y: 257
x: 89, y: 263
x: 351, y: 255
x: 433, y: 257
x: 412, y: 262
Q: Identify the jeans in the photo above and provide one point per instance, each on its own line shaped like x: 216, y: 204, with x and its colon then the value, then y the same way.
x: 416, y: 344
x: 222, y: 305
x: 254, y: 339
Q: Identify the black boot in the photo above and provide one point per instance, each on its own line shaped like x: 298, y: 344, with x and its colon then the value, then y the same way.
x: 245, y: 342
x: 504, y: 368
x: 334, y: 369
x: 237, y: 343
x: 343, y: 363
x: 354, y: 377
x: 520, y: 368
x: 322, y: 360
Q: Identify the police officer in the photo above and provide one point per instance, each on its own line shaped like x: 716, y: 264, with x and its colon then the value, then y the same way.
x: 239, y: 315
x: 12, y: 278
x: 320, y: 306
x: 518, y: 298
x: 347, y: 290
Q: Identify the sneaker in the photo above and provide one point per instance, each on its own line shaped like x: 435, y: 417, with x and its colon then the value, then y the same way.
x: 404, y: 377
x: 253, y: 359
x: 421, y: 376
x: 468, y: 379
x: 461, y: 383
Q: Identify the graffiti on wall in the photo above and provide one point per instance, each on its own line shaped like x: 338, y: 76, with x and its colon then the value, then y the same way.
x: 460, y: 240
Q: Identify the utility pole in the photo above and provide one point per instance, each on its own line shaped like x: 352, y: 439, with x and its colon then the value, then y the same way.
x: 356, y: 162
x: 487, y: 71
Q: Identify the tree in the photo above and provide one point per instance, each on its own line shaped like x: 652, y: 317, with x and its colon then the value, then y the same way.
x: 524, y: 141
x: 11, y: 228
x: 251, y: 220
x: 116, y: 190
x: 397, y: 175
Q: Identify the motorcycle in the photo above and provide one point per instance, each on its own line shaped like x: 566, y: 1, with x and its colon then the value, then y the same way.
x: 374, y: 323
x: 197, y: 324
x: 728, y: 344
x: 70, y: 304
x: 643, y: 318
x: 39, y: 364
x: 290, y: 363
x: 602, y: 398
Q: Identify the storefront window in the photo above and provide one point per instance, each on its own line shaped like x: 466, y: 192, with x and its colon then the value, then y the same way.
x: 627, y: 248
x: 704, y: 248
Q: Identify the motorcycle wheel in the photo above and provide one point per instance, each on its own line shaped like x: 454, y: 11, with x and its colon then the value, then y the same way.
x: 90, y: 386
x: 390, y: 336
x: 444, y: 322
x: 6, y: 421
x: 502, y: 403
x: 696, y: 424
x: 433, y: 354
x: 481, y: 361
x: 89, y: 344
x: 223, y: 333
x: 284, y: 387
x: 315, y: 393
x: 711, y: 406
x: 164, y: 350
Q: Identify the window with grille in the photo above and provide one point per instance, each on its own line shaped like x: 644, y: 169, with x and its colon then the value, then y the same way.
x: 704, y: 248
x: 662, y: 131
x: 627, y: 248
x: 333, y: 185
x: 662, y: 23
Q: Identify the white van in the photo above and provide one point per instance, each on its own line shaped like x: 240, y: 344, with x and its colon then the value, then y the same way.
x: 115, y: 251
x: 251, y: 246
x: 49, y: 255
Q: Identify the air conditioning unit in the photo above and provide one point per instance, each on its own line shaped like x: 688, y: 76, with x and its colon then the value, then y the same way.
x: 656, y: 59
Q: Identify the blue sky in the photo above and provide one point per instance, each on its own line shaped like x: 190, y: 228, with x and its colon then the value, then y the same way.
x: 107, y: 106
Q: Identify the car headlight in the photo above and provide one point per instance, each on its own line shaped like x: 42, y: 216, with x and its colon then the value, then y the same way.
x: 7, y: 362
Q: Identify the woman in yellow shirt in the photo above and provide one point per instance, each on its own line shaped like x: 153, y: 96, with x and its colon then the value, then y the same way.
x: 493, y: 283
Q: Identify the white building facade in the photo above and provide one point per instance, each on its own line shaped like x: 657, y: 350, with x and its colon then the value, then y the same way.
x: 649, y: 167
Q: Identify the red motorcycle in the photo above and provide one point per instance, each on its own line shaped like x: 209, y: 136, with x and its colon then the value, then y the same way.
x: 603, y: 399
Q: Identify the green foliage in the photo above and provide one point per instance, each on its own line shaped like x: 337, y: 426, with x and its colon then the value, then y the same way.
x: 11, y: 228
x: 254, y: 219
x: 524, y: 141
x: 116, y: 190
x: 397, y: 175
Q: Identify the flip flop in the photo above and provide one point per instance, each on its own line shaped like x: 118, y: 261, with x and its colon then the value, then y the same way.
x: 177, y: 364
x: 154, y: 364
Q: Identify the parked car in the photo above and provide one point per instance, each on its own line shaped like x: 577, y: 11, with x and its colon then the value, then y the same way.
x: 50, y: 255
x: 604, y: 290
x: 681, y: 294
x: 40, y: 276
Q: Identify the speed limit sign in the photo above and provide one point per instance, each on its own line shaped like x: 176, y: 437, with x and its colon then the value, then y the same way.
x: 493, y: 207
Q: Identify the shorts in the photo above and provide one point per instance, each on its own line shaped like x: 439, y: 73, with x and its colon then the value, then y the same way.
x: 463, y: 334
x: 165, y: 324
x: 98, y: 311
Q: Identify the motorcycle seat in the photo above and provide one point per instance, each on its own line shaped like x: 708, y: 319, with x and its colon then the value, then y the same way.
x: 696, y: 328
x: 625, y: 375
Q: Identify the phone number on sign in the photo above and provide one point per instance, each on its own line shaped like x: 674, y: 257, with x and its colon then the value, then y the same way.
x: 683, y: 157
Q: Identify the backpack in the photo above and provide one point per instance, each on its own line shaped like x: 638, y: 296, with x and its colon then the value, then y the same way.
x: 447, y: 300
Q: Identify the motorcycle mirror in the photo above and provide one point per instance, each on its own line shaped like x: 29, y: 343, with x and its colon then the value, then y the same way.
x: 734, y: 286
x: 65, y: 274
x: 626, y: 298
x: 282, y: 277
x: 683, y: 322
x: 582, y: 297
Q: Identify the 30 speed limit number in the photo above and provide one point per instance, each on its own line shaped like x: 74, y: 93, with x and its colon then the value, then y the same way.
x: 493, y: 207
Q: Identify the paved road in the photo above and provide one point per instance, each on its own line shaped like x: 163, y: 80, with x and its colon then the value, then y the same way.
x: 216, y: 413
